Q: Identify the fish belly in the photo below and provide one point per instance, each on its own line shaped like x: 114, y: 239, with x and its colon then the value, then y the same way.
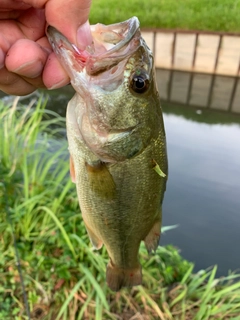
x: 126, y: 210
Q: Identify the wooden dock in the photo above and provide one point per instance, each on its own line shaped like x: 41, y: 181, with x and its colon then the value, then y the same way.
x: 212, y: 53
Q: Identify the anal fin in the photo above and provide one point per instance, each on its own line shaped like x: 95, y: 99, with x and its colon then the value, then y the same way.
x: 101, y: 180
x: 120, y: 277
x: 152, y: 239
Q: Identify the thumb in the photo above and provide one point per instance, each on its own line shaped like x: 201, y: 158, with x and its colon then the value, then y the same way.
x: 69, y: 17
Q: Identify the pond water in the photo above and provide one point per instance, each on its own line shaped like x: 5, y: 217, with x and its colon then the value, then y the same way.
x: 203, y: 191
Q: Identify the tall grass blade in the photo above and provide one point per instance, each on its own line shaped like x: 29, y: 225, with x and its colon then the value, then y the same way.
x: 60, y: 226
x: 70, y: 297
x: 96, y: 286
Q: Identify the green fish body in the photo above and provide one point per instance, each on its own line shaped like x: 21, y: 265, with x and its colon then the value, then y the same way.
x: 116, y: 140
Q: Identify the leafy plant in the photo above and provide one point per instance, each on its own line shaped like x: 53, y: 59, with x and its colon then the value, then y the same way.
x: 63, y: 277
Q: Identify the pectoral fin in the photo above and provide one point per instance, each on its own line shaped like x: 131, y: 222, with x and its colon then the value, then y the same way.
x: 72, y: 170
x: 96, y: 242
x: 101, y: 180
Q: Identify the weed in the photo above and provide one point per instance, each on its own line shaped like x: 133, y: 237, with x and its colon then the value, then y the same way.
x: 63, y: 277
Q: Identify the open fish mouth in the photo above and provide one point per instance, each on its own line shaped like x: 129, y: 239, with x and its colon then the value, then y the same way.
x: 102, y: 75
x: 111, y: 44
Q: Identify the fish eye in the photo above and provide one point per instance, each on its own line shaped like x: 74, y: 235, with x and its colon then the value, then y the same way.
x: 139, y: 82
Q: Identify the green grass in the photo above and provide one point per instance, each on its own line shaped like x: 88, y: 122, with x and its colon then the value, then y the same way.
x: 213, y: 15
x: 63, y: 277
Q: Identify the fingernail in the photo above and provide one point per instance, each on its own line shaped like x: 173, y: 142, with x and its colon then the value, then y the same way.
x: 2, y: 59
x: 31, y: 69
x: 84, y: 36
x: 60, y: 84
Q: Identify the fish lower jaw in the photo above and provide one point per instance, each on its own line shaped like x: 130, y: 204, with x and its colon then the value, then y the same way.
x: 117, y: 135
x: 98, y: 139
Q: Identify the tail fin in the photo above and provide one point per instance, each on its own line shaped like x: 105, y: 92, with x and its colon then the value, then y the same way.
x: 119, y: 277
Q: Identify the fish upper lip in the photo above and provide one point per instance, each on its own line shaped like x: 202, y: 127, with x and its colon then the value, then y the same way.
x: 94, y: 61
x: 133, y: 25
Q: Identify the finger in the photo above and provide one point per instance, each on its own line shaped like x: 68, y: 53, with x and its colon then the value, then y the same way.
x: 26, y: 58
x: 11, y: 9
x: 32, y: 23
x: 28, y: 23
x: 2, y: 59
x: 11, y: 83
x: 67, y: 17
x: 75, y: 15
x: 19, y: 31
x: 8, y: 5
x: 54, y: 76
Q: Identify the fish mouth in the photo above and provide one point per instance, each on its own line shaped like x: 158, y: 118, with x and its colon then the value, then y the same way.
x: 111, y: 45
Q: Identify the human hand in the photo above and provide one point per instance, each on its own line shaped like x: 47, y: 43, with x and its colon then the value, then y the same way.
x: 26, y: 58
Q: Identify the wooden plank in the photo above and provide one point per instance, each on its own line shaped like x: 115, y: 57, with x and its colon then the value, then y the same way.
x: 163, y: 79
x: 206, y: 53
x: 180, y: 85
x: 200, y: 89
x: 148, y: 37
x: 184, y: 51
x: 236, y: 100
x: 229, y: 56
x: 221, y: 94
x: 163, y: 50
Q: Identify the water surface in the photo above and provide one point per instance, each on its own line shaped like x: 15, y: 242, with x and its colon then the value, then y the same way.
x: 203, y: 192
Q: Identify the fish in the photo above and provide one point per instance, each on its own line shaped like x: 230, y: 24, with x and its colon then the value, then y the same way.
x: 116, y: 141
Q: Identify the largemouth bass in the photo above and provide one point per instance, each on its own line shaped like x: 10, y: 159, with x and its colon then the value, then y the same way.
x: 116, y: 141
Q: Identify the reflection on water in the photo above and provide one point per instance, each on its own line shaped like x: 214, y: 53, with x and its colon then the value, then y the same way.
x: 203, y: 191
x: 200, y: 90
x: 202, y: 120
